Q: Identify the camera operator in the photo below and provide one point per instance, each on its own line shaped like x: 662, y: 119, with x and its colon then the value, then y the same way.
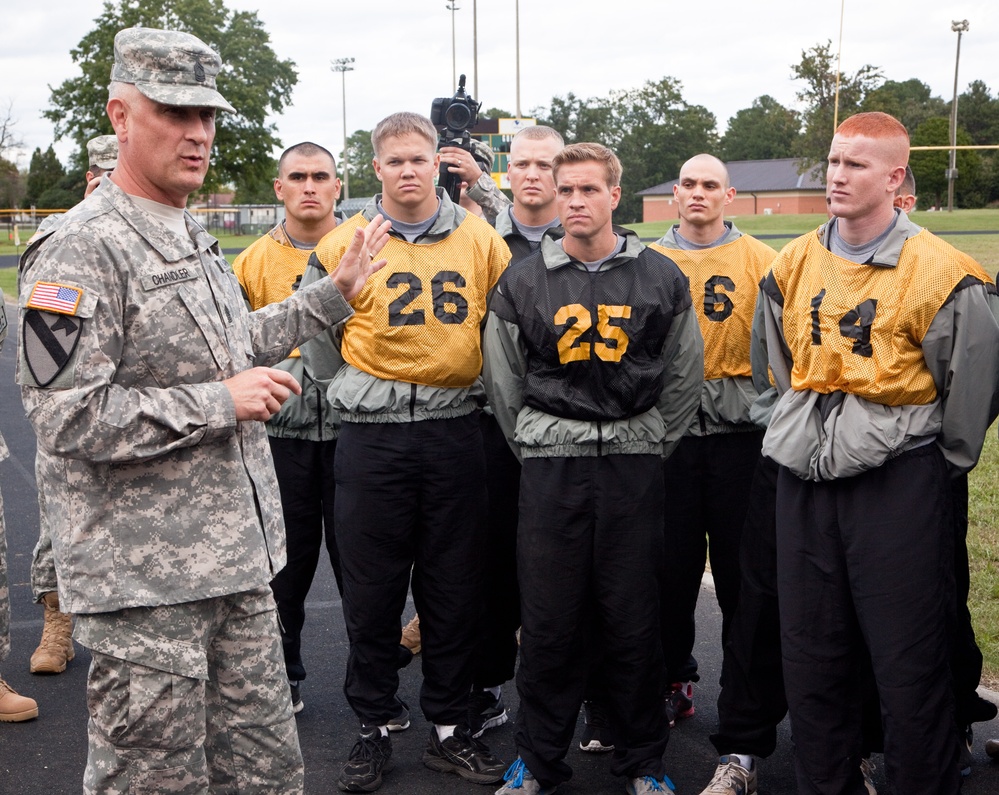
x: 480, y: 186
x: 462, y: 157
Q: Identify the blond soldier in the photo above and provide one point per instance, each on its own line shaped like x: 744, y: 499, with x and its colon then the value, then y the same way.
x: 410, y: 466
x: 592, y: 364
x: 137, y: 368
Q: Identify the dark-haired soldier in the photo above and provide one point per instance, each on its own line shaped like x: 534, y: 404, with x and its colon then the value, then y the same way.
x: 302, y: 435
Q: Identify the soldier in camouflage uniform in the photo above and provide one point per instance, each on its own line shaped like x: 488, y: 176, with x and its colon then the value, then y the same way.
x: 102, y: 153
x: 141, y: 375
x: 13, y: 707
x: 55, y: 649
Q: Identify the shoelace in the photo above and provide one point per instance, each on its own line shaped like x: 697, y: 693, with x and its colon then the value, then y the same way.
x: 514, y: 775
x: 656, y: 786
x: 367, y: 748
x: 726, y: 778
x: 54, y: 630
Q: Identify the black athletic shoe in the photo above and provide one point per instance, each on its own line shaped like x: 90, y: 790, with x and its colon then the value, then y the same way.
x: 462, y: 754
x: 369, y: 758
x: 297, y: 705
x: 485, y: 711
x: 401, y: 721
x: 596, y: 730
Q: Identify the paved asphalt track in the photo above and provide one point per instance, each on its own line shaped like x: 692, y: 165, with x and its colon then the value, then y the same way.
x: 47, y: 756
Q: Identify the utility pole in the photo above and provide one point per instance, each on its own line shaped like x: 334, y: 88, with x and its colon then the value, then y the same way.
x: 343, y: 65
x: 958, y: 27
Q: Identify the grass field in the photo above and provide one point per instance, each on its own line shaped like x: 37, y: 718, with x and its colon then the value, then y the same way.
x: 983, y: 532
x: 983, y: 555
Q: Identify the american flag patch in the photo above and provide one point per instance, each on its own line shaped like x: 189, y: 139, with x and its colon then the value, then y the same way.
x: 51, y: 297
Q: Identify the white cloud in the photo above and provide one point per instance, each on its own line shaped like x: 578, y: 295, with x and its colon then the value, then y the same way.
x: 725, y: 54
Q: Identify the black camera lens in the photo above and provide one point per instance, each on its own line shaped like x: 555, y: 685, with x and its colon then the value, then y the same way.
x: 458, y: 116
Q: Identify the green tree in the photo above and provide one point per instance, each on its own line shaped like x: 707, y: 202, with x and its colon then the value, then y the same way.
x: 765, y: 131
x: 44, y: 173
x: 910, y: 102
x: 817, y: 70
x: 363, y: 181
x: 11, y: 185
x: 258, y: 188
x: 254, y: 80
x: 658, y: 132
x: 929, y: 167
x: 496, y: 113
x: 650, y: 128
x: 578, y: 119
x: 978, y: 113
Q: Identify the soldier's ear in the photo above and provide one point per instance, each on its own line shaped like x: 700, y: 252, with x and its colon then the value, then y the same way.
x: 118, y: 113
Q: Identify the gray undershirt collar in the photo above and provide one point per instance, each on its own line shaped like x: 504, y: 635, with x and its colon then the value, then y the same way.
x: 689, y: 245
x: 861, y: 253
x: 299, y: 244
x: 593, y: 267
x: 411, y: 232
x: 532, y: 234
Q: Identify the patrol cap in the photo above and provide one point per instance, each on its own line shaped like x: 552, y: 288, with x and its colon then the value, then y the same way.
x: 483, y: 155
x: 169, y: 67
x: 102, y: 151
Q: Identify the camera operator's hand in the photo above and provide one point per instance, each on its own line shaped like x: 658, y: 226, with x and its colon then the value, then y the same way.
x: 461, y: 163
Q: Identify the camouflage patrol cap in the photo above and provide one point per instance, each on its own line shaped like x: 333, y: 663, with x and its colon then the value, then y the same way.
x: 169, y: 67
x: 102, y: 151
x: 483, y: 154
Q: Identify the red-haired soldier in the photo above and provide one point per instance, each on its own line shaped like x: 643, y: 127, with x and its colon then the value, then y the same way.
x: 883, y: 349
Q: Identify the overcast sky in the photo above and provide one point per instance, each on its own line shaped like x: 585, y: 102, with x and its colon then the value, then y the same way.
x: 724, y: 53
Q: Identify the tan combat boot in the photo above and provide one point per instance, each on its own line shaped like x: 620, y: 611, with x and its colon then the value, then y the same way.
x: 56, y: 647
x: 14, y: 707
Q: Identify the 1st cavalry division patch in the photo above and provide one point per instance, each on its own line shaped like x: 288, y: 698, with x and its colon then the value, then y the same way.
x: 51, y: 331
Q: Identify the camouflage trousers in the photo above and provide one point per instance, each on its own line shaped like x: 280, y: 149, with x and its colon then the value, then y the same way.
x: 4, y: 593
x: 190, y: 698
x: 43, y: 573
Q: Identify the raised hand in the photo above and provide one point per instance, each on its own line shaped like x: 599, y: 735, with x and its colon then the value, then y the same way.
x: 358, y: 261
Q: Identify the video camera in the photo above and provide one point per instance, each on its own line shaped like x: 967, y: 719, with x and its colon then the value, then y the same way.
x: 454, y: 117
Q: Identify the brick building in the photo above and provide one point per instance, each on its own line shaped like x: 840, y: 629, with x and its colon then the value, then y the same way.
x: 763, y: 187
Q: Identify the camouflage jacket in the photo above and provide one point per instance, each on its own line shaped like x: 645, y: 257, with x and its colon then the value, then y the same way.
x: 490, y: 198
x: 157, y: 494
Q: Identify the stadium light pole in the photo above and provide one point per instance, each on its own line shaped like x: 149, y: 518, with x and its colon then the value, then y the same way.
x: 343, y: 65
x: 839, y: 61
x: 452, y: 6
x: 959, y: 27
x: 517, y: 26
